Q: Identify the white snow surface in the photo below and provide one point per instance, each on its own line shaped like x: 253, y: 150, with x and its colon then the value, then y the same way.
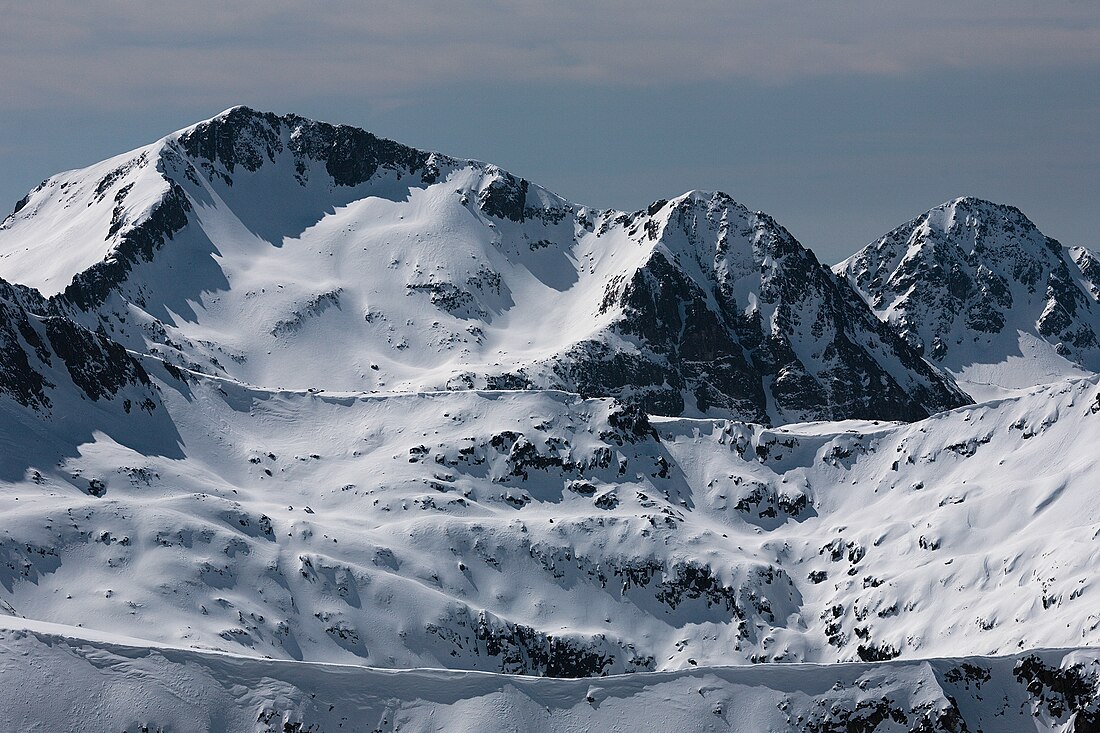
x: 285, y: 277
x: 114, y: 684
x: 398, y: 529
x: 65, y: 226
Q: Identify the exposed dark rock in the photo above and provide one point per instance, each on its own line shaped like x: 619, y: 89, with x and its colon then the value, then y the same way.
x: 98, y: 366
x: 630, y: 423
x: 244, y: 137
x: 505, y: 197
x: 22, y: 353
x: 521, y: 649
x: 804, y: 341
x: 876, y: 653
x: 21, y: 203
x: 138, y: 244
x: 1062, y: 691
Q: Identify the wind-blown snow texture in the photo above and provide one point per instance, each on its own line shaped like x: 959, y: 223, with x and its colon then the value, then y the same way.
x: 276, y: 388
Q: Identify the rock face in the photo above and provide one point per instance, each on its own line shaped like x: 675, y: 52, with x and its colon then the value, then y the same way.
x: 249, y: 139
x: 44, y: 355
x: 434, y: 273
x: 23, y: 351
x: 973, y: 283
x: 731, y: 314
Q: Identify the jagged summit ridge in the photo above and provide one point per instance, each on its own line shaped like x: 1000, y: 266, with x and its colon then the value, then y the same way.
x: 246, y: 138
x: 428, y: 272
x: 738, y: 316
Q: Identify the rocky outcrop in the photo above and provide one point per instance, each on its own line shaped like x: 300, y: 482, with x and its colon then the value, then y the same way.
x: 23, y: 352
x: 242, y: 137
x: 34, y: 349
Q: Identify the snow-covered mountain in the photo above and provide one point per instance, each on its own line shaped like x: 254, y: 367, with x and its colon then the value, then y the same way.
x: 278, y: 250
x: 978, y: 289
x: 273, y: 388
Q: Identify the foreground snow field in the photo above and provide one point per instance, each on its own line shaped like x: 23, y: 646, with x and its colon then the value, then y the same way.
x: 305, y: 430
x: 116, y: 685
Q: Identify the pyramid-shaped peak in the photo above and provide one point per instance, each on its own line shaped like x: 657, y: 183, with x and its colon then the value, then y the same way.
x: 968, y: 279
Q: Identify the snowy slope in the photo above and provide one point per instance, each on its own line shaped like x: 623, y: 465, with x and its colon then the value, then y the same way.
x: 117, y: 686
x: 279, y: 250
x: 981, y: 291
x: 70, y: 222
x: 541, y: 533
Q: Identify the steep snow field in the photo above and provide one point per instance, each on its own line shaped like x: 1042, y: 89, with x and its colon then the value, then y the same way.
x: 70, y: 217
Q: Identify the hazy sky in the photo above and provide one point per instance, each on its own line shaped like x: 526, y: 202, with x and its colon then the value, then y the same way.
x: 841, y: 118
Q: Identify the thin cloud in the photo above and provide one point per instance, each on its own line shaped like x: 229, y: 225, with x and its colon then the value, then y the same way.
x: 132, y: 53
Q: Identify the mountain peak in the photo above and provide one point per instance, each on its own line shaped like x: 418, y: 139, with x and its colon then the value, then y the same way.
x: 975, y: 203
x: 986, y: 217
x: 707, y: 199
x: 700, y: 195
x: 417, y: 253
x: 231, y: 118
x: 973, y: 282
x: 237, y: 110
